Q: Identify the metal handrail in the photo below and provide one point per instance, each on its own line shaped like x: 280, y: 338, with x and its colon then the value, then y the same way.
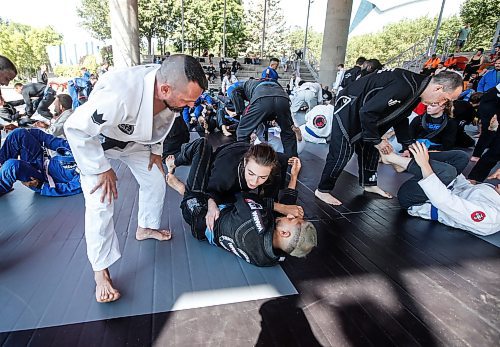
x: 312, y: 65
x: 411, y: 58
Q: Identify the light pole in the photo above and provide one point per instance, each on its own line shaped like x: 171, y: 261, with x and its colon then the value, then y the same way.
x: 263, y: 30
x: 434, y: 42
x: 182, y: 24
x: 224, y: 33
x: 307, y: 27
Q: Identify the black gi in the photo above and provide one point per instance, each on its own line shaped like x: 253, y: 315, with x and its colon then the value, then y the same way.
x: 268, y: 101
x: 45, y: 96
x: 364, y: 111
x: 245, y: 227
x: 350, y: 76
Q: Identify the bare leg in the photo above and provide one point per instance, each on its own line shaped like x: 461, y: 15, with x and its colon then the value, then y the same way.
x: 175, y: 184
x: 104, y: 290
x: 327, y: 198
x: 398, y: 162
x: 147, y: 233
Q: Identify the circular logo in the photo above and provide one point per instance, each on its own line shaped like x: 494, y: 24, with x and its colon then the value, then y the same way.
x: 478, y: 216
x: 319, y: 121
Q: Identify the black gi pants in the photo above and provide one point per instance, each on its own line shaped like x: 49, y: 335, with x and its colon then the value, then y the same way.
x: 488, y: 160
x: 268, y: 109
x: 446, y: 165
x: 340, y: 151
x: 194, y: 205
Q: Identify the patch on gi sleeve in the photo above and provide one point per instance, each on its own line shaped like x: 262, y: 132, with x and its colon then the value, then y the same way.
x: 97, y: 118
x: 257, y: 221
x: 253, y: 205
x: 478, y: 216
x: 127, y: 128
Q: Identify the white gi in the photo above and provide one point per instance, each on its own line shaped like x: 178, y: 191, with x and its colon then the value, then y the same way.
x: 475, y: 208
x: 121, y: 108
x: 318, y: 124
x: 310, y: 93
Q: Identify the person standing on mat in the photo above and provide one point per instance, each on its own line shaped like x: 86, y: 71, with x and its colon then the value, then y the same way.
x: 267, y: 102
x: 366, y: 109
x: 128, y: 123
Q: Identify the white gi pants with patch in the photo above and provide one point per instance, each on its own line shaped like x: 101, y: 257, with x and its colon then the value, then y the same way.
x: 303, y: 96
x: 103, y: 248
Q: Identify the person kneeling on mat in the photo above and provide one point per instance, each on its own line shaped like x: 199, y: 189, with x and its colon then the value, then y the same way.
x: 435, y: 192
x: 248, y: 228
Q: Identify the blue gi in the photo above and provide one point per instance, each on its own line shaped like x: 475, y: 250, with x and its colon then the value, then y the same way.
x: 203, y: 99
x: 270, y: 73
x: 58, y: 175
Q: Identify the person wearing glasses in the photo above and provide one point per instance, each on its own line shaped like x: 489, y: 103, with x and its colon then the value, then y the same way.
x: 366, y: 109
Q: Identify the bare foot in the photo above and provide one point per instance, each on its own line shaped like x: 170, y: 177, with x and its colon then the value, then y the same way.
x: 474, y: 159
x: 297, y: 132
x: 385, y: 158
x: 104, y: 290
x: 175, y: 184
x: 225, y: 131
x: 379, y: 191
x: 170, y: 163
x: 327, y: 198
x: 146, y: 233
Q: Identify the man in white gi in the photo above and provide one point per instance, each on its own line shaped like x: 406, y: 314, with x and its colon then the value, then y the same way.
x: 127, y: 117
x: 436, y: 193
x: 309, y: 93
x: 318, y: 126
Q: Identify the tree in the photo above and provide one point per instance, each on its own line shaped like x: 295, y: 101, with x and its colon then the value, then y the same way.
x: 157, y: 18
x: 95, y: 18
x: 295, y: 40
x: 26, y: 46
x: 275, y: 34
x: 482, y: 15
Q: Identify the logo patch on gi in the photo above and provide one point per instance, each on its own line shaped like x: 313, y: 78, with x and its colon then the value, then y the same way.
x: 319, y: 121
x: 257, y: 221
x: 127, y: 128
x: 478, y: 216
x: 393, y: 102
x: 97, y: 118
x: 228, y: 244
x: 253, y: 205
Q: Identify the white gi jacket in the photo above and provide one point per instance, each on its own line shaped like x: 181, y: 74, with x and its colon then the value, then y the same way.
x: 475, y: 208
x: 120, y: 107
x: 318, y: 124
x: 313, y: 86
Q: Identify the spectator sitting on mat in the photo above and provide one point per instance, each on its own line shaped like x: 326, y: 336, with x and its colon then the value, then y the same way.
x: 435, y: 192
x: 62, y: 110
x: 56, y: 176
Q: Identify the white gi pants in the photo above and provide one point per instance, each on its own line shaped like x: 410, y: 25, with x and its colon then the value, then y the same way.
x: 303, y: 96
x: 102, y: 243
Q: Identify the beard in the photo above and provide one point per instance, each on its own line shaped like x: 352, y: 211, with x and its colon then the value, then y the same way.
x: 173, y: 109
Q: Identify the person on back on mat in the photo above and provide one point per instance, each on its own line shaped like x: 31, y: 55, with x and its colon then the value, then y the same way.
x: 247, y: 227
x: 369, y: 107
x: 435, y: 192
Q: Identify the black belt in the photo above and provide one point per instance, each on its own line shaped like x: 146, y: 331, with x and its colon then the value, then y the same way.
x: 108, y: 143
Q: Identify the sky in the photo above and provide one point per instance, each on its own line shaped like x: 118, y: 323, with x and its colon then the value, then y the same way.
x: 61, y: 14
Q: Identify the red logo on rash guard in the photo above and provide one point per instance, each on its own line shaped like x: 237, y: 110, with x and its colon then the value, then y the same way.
x: 319, y: 121
x: 478, y: 216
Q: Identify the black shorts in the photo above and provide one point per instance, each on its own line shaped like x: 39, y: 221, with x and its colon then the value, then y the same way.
x: 460, y: 43
x: 194, y: 210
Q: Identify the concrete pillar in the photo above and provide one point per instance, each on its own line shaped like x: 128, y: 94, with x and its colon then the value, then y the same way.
x: 124, y: 32
x: 338, y: 16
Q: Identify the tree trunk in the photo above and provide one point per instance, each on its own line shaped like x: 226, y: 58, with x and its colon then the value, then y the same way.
x: 149, y: 44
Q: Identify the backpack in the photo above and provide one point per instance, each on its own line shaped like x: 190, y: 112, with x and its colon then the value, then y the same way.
x: 79, y: 89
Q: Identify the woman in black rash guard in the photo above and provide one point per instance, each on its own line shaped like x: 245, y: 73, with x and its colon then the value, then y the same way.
x: 231, y: 169
x: 435, y: 128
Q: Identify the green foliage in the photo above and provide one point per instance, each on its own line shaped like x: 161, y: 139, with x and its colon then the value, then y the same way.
x: 295, y: 40
x: 396, y: 37
x: 95, y: 18
x: 157, y: 18
x: 68, y: 71
x: 26, y: 46
x: 482, y: 15
x: 275, y: 33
